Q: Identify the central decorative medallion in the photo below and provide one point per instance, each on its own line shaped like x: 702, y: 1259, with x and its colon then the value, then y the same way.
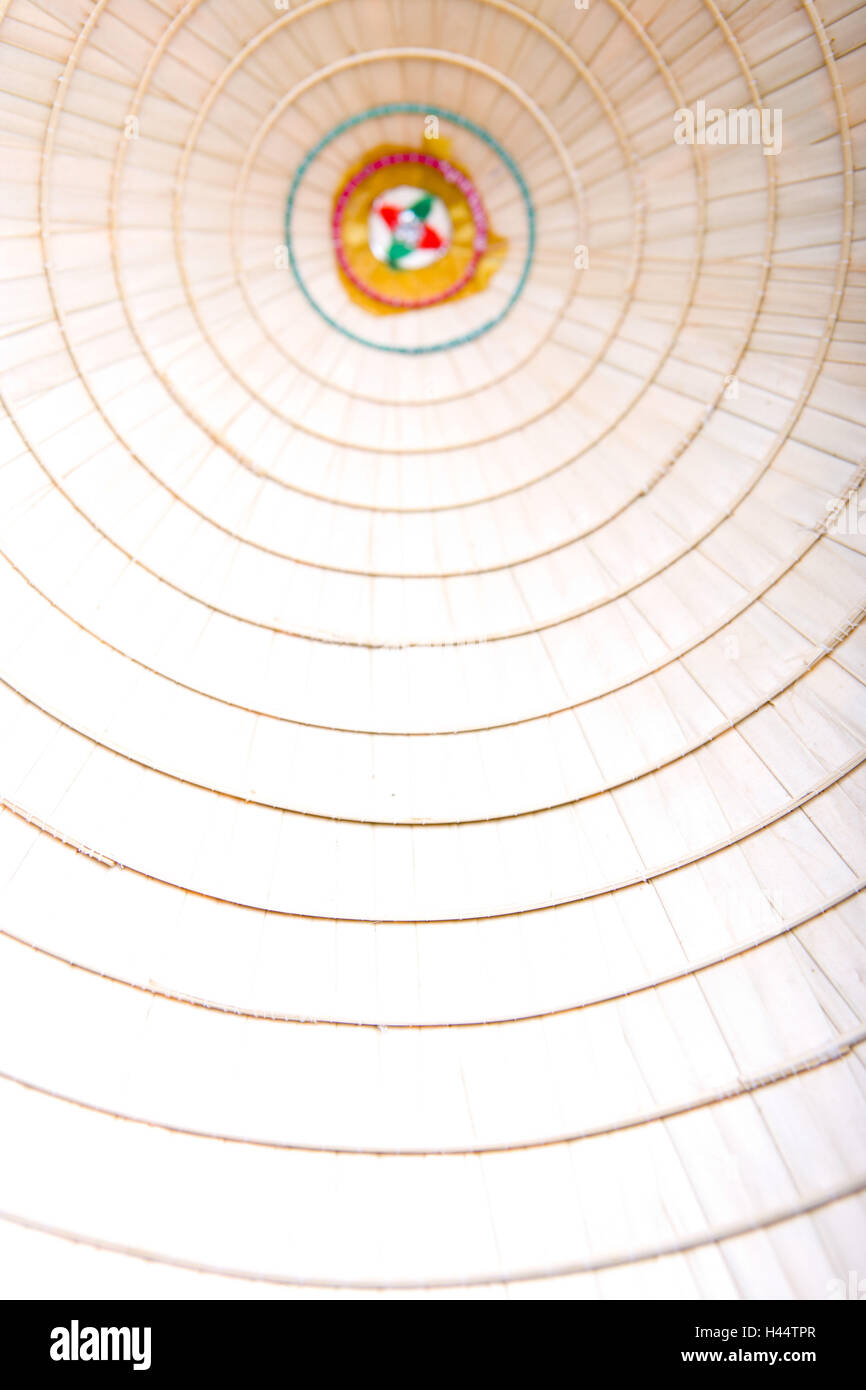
x: 410, y: 231
x: 409, y: 228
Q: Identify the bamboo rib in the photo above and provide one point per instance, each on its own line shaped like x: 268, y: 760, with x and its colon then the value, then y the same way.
x: 778, y: 1217
x: 686, y: 972
x: 336, y: 817
x: 818, y: 789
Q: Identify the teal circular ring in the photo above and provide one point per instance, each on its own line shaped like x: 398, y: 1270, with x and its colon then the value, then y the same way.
x: 401, y: 108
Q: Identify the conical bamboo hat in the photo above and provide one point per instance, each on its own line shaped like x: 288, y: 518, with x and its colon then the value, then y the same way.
x: 432, y: 695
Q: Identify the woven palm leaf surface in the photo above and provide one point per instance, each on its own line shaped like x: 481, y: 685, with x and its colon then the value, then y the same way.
x: 431, y: 733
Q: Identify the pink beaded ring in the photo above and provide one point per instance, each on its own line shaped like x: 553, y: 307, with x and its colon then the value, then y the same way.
x: 451, y: 175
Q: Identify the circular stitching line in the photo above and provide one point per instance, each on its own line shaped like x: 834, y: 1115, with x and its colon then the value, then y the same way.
x: 412, y: 108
